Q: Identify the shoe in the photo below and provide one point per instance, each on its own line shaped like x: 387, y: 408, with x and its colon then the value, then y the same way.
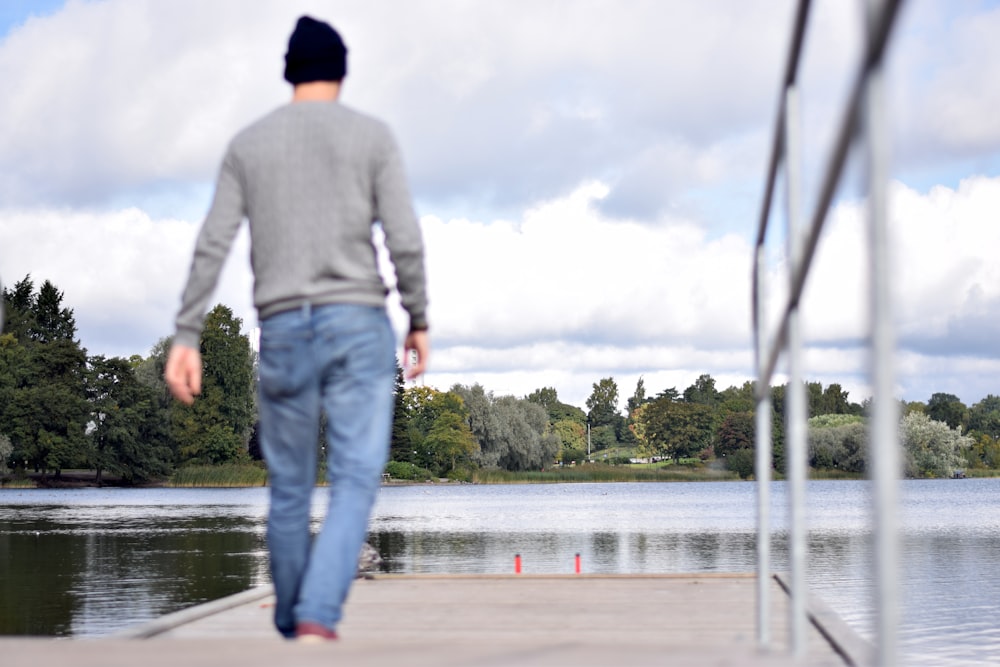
x: 313, y: 633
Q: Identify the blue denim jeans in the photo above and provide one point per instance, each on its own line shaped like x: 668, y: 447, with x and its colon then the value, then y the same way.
x: 340, y: 359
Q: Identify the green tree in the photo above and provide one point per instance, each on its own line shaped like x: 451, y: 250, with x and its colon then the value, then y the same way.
x: 572, y: 439
x: 603, y: 437
x: 52, y: 322
x: 43, y: 405
x: 400, y: 448
x: 814, y: 398
x: 736, y: 431
x: 931, y: 448
x: 524, y: 440
x: 19, y: 309
x: 603, y: 403
x: 451, y: 442
x: 835, y: 401
x: 229, y: 369
x: 128, y: 429
x: 216, y: 429
x: 675, y: 430
x: 741, y: 462
x: 6, y: 449
x: 778, y: 426
x: 735, y: 439
x: 702, y: 392
x: 947, y: 408
x: 626, y: 435
x: 149, y: 372
x: 513, y: 434
x: 738, y: 399
x: 638, y: 397
x: 548, y: 398
x: 671, y: 394
x: 437, y: 442
x: 483, y: 422
x: 984, y: 416
x: 984, y: 452
x: 16, y: 375
x: 839, y: 442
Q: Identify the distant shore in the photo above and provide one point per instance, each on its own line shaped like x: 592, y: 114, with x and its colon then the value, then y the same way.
x: 242, y: 477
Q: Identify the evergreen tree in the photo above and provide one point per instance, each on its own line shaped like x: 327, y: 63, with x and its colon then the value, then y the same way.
x: 400, y: 448
x: 216, y: 428
x: 43, y: 407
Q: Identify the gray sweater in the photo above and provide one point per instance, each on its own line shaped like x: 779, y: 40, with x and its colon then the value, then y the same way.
x: 311, y: 178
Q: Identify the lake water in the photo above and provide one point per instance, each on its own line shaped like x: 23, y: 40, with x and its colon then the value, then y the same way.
x: 92, y: 561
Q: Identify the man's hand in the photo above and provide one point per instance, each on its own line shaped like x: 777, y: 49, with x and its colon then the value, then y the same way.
x: 420, y: 343
x: 183, y: 373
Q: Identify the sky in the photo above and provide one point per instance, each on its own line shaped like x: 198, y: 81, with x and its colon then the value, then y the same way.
x: 588, y: 175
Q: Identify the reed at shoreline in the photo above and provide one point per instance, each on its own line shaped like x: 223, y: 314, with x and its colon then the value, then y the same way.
x: 223, y: 476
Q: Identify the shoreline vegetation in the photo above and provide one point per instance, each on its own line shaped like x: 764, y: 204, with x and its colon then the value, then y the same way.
x: 253, y: 475
x: 63, y: 413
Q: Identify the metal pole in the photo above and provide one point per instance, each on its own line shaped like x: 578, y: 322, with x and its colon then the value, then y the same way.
x: 884, y: 419
x: 795, y: 398
x: 762, y: 472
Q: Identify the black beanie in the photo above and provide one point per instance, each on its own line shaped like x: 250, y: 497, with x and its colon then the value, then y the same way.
x: 315, y: 53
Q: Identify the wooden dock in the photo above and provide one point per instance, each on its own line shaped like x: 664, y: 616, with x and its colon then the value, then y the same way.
x: 516, y: 620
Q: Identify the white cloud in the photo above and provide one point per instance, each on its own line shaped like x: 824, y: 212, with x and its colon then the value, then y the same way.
x: 136, y: 93
x: 517, y: 100
x: 565, y: 296
x: 121, y: 272
x: 566, y: 272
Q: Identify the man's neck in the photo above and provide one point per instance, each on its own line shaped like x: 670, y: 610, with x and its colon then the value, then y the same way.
x: 316, y: 91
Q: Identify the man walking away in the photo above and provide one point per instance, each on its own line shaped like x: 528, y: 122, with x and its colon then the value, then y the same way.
x: 312, y: 178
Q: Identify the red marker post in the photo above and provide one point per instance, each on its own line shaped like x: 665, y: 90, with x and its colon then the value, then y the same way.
x: 578, y: 563
x: 517, y: 563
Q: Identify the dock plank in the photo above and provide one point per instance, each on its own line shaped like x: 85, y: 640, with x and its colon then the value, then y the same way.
x: 584, y: 621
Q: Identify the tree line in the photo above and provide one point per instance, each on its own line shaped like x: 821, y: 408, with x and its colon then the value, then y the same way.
x: 61, y: 409
x: 451, y: 433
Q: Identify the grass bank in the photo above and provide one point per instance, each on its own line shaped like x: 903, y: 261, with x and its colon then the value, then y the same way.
x: 253, y: 474
x: 982, y: 472
x: 602, y: 473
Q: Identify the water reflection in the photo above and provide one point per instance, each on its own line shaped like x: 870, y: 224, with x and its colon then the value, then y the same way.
x: 69, y: 576
x: 554, y: 553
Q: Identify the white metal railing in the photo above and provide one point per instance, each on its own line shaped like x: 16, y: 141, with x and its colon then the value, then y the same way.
x: 863, y: 115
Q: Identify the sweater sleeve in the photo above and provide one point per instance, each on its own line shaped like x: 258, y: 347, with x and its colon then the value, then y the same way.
x: 394, y: 208
x: 213, y: 244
